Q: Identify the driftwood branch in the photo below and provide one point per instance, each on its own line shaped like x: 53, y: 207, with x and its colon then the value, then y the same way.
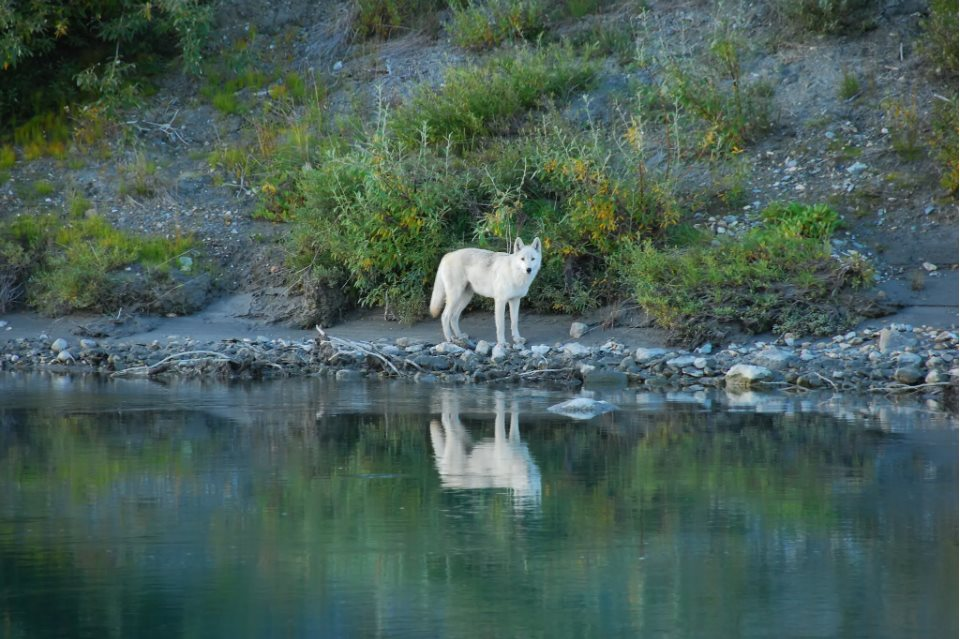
x: 170, y: 360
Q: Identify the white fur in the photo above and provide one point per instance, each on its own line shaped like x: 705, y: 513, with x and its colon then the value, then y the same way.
x: 506, y: 277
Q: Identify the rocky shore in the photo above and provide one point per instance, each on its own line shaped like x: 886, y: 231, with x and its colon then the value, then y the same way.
x: 896, y: 359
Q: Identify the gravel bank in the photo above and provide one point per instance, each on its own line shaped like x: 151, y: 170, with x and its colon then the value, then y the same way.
x: 895, y: 359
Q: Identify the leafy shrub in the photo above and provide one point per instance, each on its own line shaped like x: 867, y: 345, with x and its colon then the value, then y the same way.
x: 384, y: 18
x: 941, y: 41
x: 485, y: 24
x: 849, y: 86
x: 44, y: 134
x: 779, y: 276
x: 564, y: 187
x: 734, y: 112
x: 944, y: 142
x: 39, y: 42
x: 8, y: 157
x: 475, y: 102
x: 383, y: 216
x: 815, y: 222
x: 822, y: 16
x: 62, y: 266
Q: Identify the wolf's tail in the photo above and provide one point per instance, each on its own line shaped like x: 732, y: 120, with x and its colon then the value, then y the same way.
x: 436, y: 300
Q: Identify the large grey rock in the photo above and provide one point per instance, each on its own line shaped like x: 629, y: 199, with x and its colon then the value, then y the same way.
x: 575, y: 349
x: 448, y: 348
x: 774, y: 358
x: 894, y: 340
x: 908, y: 375
x: 681, y: 361
x: 582, y: 408
x: 58, y: 345
x: 644, y: 354
x: 908, y: 359
x: 433, y: 362
x: 747, y: 376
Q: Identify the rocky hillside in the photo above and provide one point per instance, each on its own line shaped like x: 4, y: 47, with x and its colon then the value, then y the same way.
x: 855, y: 117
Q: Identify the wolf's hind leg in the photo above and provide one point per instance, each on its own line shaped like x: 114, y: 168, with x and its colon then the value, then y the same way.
x: 458, y: 305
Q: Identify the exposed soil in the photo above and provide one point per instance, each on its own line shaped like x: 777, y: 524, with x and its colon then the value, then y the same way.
x: 824, y: 148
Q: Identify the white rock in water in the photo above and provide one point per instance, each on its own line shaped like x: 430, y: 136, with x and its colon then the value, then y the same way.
x: 58, y: 345
x: 747, y: 375
x: 929, y: 267
x: 88, y: 343
x: 582, y: 408
x: 64, y: 356
x: 577, y: 329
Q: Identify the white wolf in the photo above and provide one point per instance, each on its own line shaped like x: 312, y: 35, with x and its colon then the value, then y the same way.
x: 506, y: 277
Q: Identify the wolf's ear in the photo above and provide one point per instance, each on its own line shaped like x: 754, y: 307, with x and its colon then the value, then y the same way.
x: 517, y: 245
x: 536, y: 244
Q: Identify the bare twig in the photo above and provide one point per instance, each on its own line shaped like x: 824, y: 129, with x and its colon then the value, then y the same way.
x: 210, y: 356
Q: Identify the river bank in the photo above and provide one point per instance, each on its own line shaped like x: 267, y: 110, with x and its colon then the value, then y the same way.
x: 893, y: 359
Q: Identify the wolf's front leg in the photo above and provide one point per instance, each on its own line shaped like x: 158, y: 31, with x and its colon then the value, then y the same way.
x: 499, y: 309
x: 515, y: 321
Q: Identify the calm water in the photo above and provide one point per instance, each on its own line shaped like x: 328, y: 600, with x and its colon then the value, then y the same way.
x: 306, y: 509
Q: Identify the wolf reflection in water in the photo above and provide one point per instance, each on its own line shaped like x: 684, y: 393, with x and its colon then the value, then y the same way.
x: 501, y: 462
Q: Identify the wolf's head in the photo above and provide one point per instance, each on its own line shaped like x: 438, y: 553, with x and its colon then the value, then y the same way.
x: 527, y: 256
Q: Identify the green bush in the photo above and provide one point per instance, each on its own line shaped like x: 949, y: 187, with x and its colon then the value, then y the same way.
x: 565, y: 187
x: 779, y: 276
x: 940, y: 43
x: 732, y: 111
x: 944, y: 142
x: 815, y: 222
x: 41, y: 45
x: 384, y: 18
x: 483, y: 25
x: 476, y: 102
x: 823, y: 16
x: 382, y: 216
x: 60, y: 266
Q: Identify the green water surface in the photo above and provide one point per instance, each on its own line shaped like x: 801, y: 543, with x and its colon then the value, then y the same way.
x: 310, y: 509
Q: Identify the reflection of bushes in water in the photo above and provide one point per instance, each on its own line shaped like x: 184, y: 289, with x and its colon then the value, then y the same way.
x: 324, y: 487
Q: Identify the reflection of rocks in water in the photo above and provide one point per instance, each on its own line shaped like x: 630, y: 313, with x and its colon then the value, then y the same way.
x: 501, y: 462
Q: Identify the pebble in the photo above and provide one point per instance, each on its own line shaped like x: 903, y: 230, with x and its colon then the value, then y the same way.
x: 58, y: 345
